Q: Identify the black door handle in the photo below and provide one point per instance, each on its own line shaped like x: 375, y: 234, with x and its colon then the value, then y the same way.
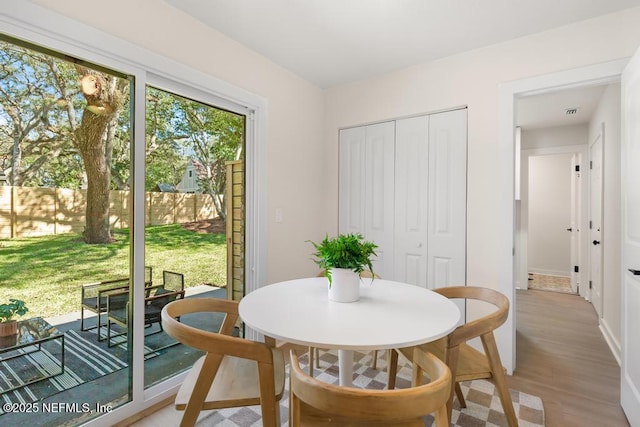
x: 570, y: 229
x: 635, y: 272
x: 596, y: 242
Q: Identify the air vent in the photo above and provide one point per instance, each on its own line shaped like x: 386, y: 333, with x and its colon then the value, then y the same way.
x: 570, y: 111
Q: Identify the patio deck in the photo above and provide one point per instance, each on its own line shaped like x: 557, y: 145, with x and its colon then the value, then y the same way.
x: 80, y: 393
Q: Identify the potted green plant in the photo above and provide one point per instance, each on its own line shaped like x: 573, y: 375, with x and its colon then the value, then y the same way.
x: 8, y: 325
x: 343, y: 259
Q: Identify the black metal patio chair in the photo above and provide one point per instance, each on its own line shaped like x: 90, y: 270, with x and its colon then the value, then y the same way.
x: 117, y: 312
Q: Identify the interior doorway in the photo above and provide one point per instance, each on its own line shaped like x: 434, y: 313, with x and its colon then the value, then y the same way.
x: 560, y: 227
x: 574, y: 165
x: 510, y: 93
x: 554, y: 130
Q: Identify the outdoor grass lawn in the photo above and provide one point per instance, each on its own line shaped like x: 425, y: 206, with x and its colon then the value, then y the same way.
x: 47, y: 272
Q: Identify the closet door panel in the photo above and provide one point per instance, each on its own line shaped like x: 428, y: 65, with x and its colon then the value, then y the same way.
x: 378, y: 193
x: 351, y: 181
x: 413, y: 268
x: 447, y: 199
x: 442, y: 269
x: 411, y: 200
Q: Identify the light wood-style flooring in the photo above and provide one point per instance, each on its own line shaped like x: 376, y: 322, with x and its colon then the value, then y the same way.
x: 561, y: 357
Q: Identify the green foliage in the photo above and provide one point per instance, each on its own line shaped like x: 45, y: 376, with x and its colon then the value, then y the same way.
x: 15, y: 307
x: 166, y: 145
x: 177, y: 129
x: 35, y: 133
x: 215, y: 137
x: 349, y: 251
x: 41, y: 115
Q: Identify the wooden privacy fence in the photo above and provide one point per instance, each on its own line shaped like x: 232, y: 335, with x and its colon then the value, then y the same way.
x: 235, y: 193
x: 35, y: 211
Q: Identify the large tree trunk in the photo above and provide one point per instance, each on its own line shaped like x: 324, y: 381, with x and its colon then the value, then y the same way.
x: 97, y: 228
x: 103, y: 101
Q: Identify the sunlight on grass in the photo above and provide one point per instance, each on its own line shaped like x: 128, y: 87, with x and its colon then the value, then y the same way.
x: 47, y: 272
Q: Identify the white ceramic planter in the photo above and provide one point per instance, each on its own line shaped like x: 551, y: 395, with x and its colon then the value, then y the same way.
x: 345, y: 285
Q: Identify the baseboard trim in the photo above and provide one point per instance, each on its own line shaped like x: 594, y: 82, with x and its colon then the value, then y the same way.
x: 146, y: 412
x: 612, y: 342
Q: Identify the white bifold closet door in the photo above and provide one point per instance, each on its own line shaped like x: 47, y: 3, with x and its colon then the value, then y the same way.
x: 366, y: 188
x: 447, y: 199
x: 403, y: 186
x: 411, y: 236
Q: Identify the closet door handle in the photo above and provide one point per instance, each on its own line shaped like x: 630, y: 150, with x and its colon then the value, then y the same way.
x: 634, y: 272
x: 596, y: 242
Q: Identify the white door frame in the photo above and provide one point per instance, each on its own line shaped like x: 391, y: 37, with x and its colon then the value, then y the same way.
x: 596, y: 261
x: 577, y: 229
x: 598, y: 74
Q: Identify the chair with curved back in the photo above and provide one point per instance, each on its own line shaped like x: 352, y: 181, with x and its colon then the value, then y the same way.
x: 234, y: 372
x: 467, y: 363
x: 314, y: 402
x: 314, y: 352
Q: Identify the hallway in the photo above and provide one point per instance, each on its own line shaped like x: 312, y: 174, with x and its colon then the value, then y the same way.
x: 562, y: 357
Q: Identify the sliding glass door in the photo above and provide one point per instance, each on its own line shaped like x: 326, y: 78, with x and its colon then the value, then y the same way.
x: 99, y: 230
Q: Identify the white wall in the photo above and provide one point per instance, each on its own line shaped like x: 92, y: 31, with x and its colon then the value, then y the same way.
x: 608, y: 112
x: 295, y: 167
x: 473, y: 79
x: 556, y: 136
x: 549, y: 201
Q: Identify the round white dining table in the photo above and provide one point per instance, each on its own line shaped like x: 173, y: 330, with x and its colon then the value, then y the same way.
x: 388, y: 314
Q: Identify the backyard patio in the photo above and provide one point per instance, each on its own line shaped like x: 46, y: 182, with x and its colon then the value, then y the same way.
x: 96, y: 376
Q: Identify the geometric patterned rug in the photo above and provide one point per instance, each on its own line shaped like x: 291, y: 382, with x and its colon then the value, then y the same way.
x: 546, y: 282
x: 483, y: 405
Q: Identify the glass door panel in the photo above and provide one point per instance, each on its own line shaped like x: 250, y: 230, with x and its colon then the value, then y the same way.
x: 65, y: 151
x: 188, y: 146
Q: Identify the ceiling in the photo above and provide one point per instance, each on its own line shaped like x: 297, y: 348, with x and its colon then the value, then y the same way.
x: 549, y: 110
x: 332, y: 42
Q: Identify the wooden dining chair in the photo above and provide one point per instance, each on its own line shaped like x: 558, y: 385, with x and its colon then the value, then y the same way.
x: 467, y: 363
x: 313, y: 402
x: 234, y: 372
x: 314, y: 352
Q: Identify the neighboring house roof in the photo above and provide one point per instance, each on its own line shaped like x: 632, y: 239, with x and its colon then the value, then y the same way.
x: 165, y: 188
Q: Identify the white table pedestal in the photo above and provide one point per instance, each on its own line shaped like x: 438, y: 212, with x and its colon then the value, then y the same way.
x: 345, y: 366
